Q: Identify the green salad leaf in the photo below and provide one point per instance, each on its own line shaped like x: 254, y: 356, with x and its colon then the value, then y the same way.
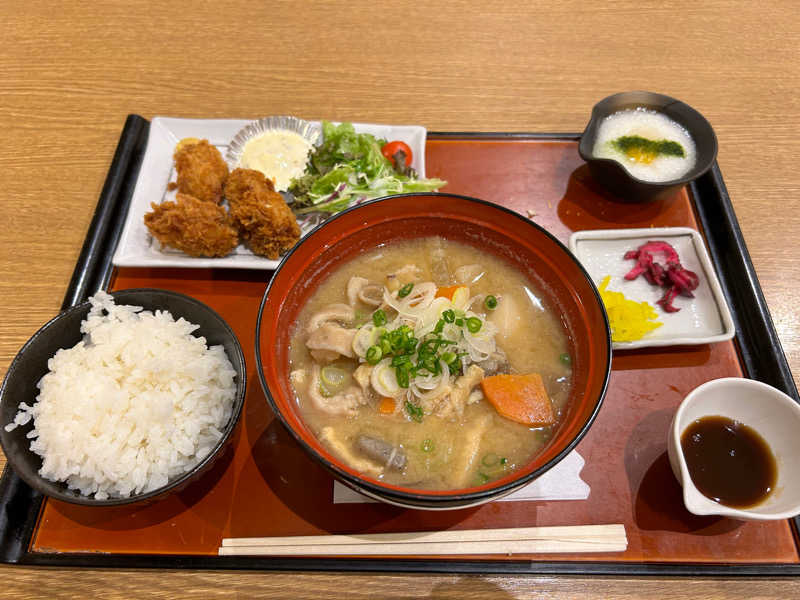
x: 348, y: 167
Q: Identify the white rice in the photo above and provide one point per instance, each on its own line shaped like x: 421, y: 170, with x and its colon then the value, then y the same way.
x: 138, y: 402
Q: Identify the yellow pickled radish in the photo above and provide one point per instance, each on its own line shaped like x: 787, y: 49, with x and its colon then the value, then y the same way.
x: 629, y: 320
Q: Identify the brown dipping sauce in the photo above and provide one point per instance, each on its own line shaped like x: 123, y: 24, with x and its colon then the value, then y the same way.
x: 729, y: 462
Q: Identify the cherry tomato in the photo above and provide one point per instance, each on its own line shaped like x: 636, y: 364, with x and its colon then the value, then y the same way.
x: 391, y: 148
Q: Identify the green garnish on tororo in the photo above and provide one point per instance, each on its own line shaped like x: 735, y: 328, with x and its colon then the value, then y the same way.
x: 643, y: 150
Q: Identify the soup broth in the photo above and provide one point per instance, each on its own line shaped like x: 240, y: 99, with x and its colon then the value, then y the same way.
x: 431, y: 433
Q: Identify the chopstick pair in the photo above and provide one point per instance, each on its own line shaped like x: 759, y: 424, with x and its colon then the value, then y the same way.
x: 523, y: 540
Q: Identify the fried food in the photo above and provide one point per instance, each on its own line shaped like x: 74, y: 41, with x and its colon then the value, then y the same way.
x: 265, y: 222
x: 201, y: 170
x: 196, y: 227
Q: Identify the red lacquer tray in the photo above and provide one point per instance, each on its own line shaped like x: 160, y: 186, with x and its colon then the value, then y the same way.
x: 266, y: 486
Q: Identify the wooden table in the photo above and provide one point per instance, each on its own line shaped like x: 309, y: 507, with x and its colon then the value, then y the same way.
x: 71, y: 72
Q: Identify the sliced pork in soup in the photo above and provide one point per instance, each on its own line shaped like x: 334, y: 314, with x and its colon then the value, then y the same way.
x: 432, y: 365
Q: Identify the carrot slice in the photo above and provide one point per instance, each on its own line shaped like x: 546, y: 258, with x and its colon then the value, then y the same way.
x: 447, y: 291
x: 520, y: 398
x: 386, y: 406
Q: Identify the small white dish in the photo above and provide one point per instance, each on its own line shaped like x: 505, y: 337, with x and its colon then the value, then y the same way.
x: 137, y: 248
x: 703, y: 319
x: 771, y: 413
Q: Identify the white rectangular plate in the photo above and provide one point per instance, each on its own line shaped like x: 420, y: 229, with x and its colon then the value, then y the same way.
x: 703, y: 319
x: 137, y: 248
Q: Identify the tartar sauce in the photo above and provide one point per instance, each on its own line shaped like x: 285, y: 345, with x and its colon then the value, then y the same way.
x: 281, y: 155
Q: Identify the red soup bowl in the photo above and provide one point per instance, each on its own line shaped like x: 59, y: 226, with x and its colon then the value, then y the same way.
x: 567, y: 288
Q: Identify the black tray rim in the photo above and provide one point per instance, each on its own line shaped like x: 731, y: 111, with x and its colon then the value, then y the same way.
x: 757, y: 340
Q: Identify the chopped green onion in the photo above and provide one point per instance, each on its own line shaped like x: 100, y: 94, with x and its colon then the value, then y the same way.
x: 427, y: 445
x: 565, y: 358
x: 474, y: 324
x: 411, y: 344
x: 448, y: 357
x: 374, y: 355
x: 429, y: 363
x: 398, y: 339
x: 379, y: 318
x: 402, y: 376
x: 428, y: 346
x: 449, y: 316
x: 414, y: 411
x: 386, y: 346
x: 490, y: 302
x: 460, y: 322
x: 439, y: 326
x: 405, y: 290
x: 504, y: 461
x: 400, y: 359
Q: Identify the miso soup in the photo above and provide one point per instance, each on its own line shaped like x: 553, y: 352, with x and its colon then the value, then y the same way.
x: 393, y: 357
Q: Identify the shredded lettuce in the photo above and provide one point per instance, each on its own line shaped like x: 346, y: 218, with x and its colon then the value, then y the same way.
x: 349, y: 167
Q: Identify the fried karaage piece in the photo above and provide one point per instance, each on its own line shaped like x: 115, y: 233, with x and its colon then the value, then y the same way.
x: 193, y: 226
x: 266, y: 223
x: 201, y: 170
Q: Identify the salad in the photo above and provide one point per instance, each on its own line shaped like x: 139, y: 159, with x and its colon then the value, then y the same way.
x: 351, y: 167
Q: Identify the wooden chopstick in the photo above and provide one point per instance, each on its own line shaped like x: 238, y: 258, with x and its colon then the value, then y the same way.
x: 523, y: 540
